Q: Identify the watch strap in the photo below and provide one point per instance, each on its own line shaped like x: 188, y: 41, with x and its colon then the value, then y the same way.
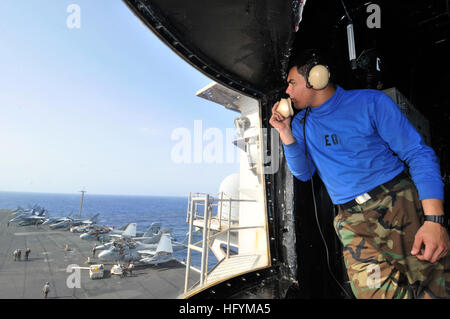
x: 440, y: 219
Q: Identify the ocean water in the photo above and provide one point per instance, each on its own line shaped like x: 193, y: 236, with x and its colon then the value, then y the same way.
x: 114, y: 210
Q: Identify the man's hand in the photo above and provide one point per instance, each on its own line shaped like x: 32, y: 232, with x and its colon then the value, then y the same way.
x: 435, y: 239
x: 282, y: 125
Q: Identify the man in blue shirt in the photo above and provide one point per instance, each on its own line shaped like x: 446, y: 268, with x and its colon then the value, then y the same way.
x: 359, y: 143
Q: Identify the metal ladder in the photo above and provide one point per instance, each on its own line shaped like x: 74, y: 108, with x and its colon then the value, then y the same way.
x: 225, y: 225
x: 193, y: 203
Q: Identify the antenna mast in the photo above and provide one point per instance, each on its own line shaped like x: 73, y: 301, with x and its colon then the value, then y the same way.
x: 81, y: 202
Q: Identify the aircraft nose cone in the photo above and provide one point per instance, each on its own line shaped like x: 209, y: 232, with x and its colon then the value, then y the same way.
x: 104, y: 255
x: 83, y: 236
x: 101, y: 247
x: 107, y: 255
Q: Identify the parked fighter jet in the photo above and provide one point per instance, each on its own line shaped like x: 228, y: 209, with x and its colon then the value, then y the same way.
x: 20, y: 210
x: 124, y: 249
x: 162, y: 254
x: 69, y: 222
x: 57, y: 219
x: 33, y: 217
x: 123, y: 235
x: 105, y: 234
x: 132, y: 249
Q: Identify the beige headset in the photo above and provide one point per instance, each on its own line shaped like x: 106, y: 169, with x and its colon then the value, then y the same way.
x: 317, y: 75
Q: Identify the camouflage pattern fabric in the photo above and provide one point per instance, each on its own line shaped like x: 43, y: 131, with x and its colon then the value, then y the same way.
x: 377, y: 239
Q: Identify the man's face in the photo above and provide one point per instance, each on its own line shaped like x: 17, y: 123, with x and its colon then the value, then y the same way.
x: 300, y: 95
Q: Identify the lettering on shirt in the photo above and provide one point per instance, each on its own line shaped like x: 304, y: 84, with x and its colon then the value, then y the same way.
x: 331, y: 140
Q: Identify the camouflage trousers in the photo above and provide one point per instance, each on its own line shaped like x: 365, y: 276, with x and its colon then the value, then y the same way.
x: 377, y: 239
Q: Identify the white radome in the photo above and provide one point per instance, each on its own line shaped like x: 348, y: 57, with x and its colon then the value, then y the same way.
x: 285, y: 108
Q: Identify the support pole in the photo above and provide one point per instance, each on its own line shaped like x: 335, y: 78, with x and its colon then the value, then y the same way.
x: 81, y: 203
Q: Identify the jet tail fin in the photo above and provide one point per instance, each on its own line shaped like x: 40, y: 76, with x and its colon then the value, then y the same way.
x: 152, y: 230
x: 94, y: 218
x: 165, y: 244
x: 130, y: 231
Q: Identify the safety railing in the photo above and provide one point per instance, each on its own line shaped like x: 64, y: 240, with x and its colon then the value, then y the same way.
x: 222, y: 225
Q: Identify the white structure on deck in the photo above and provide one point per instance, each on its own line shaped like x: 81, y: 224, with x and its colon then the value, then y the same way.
x: 233, y: 221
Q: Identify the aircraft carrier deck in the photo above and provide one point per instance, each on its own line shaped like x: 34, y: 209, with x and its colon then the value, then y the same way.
x: 48, y: 261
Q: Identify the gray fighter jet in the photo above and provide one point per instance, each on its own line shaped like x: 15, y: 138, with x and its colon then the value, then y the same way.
x: 124, y: 249
x: 105, y: 234
x: 33, y: 217
x: 163, y: 253
x: 132, y: 249
x: 69, y: 222
x: 56, y: 219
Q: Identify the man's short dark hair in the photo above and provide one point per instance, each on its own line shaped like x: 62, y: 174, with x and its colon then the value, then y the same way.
x: 303, y: 59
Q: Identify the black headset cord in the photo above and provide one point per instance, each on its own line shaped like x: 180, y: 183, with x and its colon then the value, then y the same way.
x: 315, y: 206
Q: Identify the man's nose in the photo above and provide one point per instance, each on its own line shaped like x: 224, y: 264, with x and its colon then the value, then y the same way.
x: 288, y: 90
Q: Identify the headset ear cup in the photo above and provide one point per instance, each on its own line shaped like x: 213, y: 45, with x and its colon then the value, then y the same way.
x: 318, y: 77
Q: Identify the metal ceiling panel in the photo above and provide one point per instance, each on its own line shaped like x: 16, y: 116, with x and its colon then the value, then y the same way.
x: 241, y: 44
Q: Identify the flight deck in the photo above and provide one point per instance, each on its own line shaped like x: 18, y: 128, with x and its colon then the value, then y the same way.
x: 52, y: 251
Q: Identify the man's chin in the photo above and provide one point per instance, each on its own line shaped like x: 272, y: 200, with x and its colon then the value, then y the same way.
x: 296, y: 106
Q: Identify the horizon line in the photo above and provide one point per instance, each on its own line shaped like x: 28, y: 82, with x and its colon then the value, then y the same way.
x: 95, y: 194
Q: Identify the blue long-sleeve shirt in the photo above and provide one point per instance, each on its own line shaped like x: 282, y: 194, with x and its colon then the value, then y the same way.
x: 357, y: 140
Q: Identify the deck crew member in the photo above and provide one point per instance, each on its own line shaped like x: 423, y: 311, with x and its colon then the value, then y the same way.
x: 130, y: 268
x: 46, y: 289
x: 27, y: 253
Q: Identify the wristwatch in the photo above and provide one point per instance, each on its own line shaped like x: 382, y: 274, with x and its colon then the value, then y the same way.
x: 440, y: 219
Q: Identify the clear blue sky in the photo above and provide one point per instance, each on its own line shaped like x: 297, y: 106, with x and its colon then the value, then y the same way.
x: 95, y: 107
